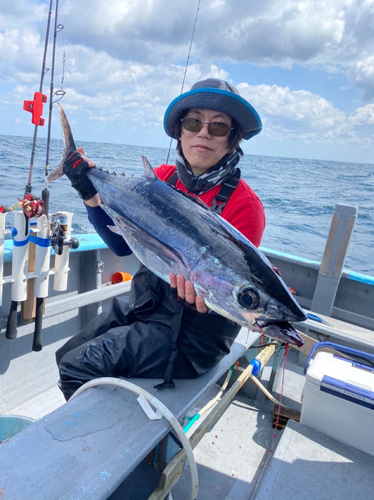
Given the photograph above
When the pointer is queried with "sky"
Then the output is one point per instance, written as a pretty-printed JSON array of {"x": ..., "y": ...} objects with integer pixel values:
[{"x": 306, "y": 66}]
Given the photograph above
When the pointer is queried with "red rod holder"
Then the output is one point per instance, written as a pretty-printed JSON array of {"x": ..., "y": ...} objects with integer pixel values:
[{"x": 36, "y": 108}]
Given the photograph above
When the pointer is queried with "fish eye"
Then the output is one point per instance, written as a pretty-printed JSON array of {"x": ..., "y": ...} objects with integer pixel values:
[{"x": 249, "y": 298}]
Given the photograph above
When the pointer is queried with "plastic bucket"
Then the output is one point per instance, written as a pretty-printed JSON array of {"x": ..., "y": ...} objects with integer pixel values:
[{"x": 10, "y": 425}]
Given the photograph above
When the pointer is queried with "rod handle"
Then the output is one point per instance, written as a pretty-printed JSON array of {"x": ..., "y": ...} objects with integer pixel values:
[
  {"x": 37, "y": 341},
  {"x": 11, "y": 326},
  {"x": 45, "y": 198}
]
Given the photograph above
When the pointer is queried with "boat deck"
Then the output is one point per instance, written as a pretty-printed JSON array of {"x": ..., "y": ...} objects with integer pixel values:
[
  {"x": 308, "y": 464},
  {"x": 244, "y": 458},
  {"x": 231, "y": 457}
]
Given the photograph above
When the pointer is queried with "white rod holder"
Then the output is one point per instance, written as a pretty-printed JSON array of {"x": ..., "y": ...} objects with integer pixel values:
[
  {"x": 42, "y": 258},
  {"x": 20, "y": 257},
  {"x": 60, "y": 279}
]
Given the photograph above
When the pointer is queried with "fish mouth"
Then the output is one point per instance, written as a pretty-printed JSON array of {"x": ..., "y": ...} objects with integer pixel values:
[{"x": 282, "y": 331}]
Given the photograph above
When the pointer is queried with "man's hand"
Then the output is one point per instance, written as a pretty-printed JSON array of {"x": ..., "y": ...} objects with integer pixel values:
[
  {"x": 75, "y": 167},
  {"x": 186, "y": 292}
]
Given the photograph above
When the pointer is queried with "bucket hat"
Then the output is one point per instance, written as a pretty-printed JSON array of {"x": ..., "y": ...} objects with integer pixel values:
[{"x": 216, "y": 94}]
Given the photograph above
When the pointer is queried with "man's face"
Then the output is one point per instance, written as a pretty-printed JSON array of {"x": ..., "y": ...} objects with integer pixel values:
[{"x": 201, "y": 149}]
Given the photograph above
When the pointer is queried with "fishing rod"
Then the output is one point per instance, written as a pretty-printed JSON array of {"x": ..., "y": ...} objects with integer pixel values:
[
  {"x": 35, "y": 107},
  {"x": 186, "y": 66},
  {"x": 40, "y": 298}
]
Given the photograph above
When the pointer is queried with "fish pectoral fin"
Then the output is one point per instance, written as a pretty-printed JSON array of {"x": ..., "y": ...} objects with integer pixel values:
[
  {"x": 167, "y": 255},
  {"x": 142, "y": 241}
]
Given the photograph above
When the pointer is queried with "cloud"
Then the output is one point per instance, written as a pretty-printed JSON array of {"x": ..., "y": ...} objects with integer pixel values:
[
  {"x": 335, "y": 35},
  {"x": 305, "y": 116},
  {"x": 276, "y": 33},
  {"x": 125, "y": 59},
  {"x": 147, "y": 31},
  {"x": 362, "y": 74},
  {"x": 363, "y": 116}
]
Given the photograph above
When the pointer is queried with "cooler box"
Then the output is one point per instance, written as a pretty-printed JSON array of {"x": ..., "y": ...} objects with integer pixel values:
[{"x": 338, "y": 397}]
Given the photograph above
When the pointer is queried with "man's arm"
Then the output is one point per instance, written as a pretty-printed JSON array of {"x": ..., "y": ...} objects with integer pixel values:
[{"x": 102, "y": 224}]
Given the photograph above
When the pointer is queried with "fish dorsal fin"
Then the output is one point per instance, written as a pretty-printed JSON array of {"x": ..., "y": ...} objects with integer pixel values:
[{"x": 148, "y": 170}]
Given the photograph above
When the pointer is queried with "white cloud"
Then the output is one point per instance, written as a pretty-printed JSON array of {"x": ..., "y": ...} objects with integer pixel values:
[
  {"x": 363, "y": 116},
  {"x": 276, "y": 32},
  {"x": 337, "y": 35},
  {"x": 125, "y": 59},
  {"x": 305, "y": 116},
  {"x": 362, "y": 74}
]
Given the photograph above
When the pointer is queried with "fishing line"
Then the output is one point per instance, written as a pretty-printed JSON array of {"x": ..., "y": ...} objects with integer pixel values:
[
  {"x": 186, "y": 67},
  {"x": 63, "y": 73},
  {"x": 59, "y": 94},
  {"x": 57, "y": 29},
  {"x": 274, "y": 436},
  {"x": 189, "y": 52}
]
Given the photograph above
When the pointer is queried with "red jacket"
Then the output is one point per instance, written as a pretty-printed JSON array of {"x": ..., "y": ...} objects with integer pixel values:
[{"x": 243, "y": 210}]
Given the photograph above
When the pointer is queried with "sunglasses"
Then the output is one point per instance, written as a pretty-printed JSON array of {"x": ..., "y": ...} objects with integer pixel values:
[{"x": 214, "y": 128}]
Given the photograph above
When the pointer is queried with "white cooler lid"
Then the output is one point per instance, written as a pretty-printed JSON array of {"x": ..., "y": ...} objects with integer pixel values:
[{"x": 346, "y": 372}]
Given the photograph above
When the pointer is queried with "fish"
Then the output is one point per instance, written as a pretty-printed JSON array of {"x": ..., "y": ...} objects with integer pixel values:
[{"x": 171, "y": 232}]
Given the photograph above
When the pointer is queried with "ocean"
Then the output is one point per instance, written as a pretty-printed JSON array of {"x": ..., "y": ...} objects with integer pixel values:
[{"x": 299, "y": 195}]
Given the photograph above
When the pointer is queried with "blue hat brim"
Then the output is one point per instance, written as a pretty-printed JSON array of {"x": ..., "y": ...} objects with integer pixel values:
[{"x": 220, "y": 100}]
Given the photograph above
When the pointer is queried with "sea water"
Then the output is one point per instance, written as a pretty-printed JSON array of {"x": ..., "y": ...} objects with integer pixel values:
[{"x": 299, "y": 195}]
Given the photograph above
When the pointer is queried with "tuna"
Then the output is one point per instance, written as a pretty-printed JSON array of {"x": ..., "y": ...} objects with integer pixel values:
[{"x": 171, "y": 232}]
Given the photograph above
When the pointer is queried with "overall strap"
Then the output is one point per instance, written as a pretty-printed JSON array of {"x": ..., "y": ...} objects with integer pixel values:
[
  {"x": 223, "y": 196},
  {"x": 172, "y": 181},
  {"x": 176, "y": 324},
  {"x": 227, "y": 188}
]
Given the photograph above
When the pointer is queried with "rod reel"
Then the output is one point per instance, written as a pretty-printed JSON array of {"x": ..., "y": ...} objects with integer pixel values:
[
  {"x": 59, "y": 229},
  {"x": 31, "y": 205}
]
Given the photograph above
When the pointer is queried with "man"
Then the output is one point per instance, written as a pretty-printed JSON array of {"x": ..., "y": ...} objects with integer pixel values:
[{"x": 166, "y": 331}]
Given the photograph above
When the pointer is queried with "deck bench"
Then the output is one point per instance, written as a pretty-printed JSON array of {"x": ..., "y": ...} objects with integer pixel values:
[
  {"x": 341, "y": 332},
  {"x": 88, "y": 446}
]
